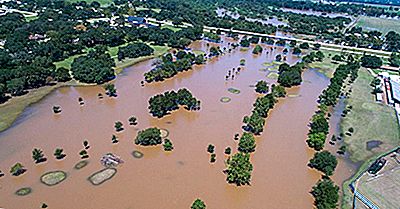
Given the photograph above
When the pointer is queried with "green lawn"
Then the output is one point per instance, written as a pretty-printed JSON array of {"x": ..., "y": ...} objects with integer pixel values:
[
  {"x": 371, "y": 121},
  {"x": 380, "y": 24}
]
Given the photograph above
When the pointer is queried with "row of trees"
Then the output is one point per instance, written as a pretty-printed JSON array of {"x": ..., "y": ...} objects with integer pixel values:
[
  {"x": 168, "y": 68},
  {"x": 325, "y": 192},
  {"x": 161, "y": 104}
]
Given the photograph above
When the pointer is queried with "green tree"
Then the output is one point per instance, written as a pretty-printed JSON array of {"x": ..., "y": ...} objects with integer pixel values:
[
  {"x": 278, "y": 90},
  {"x": 326, "y": 194},
  {"x": 296, "y": 50},
  {"x": 369, "y": 61},
  {"x": 17, "y": 169},
  {"x": 304, "y": 45},
  {"x": 247, "y": 143},
  {"x": 324, "y": 161},
  {"x": 198, "y": 204},
  {"x": 262, "y": 87},
  {"x": 62, "y": 74},
  {"x": 149, "y": 137},
  {"x": 118, "y": 126},
  {"x": 239, "y": 169},
  {"x": 316, "y": 140},
  {"x": 394, "y": 59},
  {"x": 38, "y": 156},
  {"x": 213, "y": 158},
  {"x": 16, "y": 86},
  {"x": 168, "y": 145}
]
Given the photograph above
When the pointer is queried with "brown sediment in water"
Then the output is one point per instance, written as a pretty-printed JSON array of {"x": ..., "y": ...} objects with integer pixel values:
[{"x": 281, "y": 178}]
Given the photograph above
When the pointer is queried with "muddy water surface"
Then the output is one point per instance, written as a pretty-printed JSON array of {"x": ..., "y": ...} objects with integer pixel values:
[{"x": 173, "y": 180}]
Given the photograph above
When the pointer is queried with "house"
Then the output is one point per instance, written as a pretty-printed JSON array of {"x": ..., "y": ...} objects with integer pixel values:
[{"x": 136, "y": 20}]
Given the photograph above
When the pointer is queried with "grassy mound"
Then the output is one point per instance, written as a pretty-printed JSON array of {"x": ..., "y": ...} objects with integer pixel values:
[
  {"x": 102, "y": 176},
  {"x": 234, "y": 91},
  {"x": 81, "y": 164},
  {"x": 225, "y": 99},
  {"x": 23, "y": 191},
  {"x": 53, "y": 177},
  {"x": 137, "y": 154},
  {"x": 273, "y": 75},
  {"x": 164, "y": 132}
]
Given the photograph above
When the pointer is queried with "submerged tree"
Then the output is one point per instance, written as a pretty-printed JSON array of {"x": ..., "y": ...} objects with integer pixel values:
[
  {"x": 17, "y": 169},
  {"x": 86, "y": 144},
  {"x": 114, "y": 139},
  {"x": 168, "y": 145},
  {"x": 198, "y": 204},
  {"x": 111, "y": 91},
  {"x": 149, "y": 137},
  {"x": 59, "y": 153},
  {"x": 38, "y": 156},
  {"x": 210, "y": 148},
  {"x": 213, "y": 158},
  {"x": 228, "y": 151},
  {"x": 132, "y": 121},
  {"x": 83, "y": 154},
  {"x": 239, "y": 169},
  {"x": 118, "y": 126}
]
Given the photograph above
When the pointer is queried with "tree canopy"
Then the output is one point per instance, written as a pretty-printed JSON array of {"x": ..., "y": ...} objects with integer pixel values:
[{"x": 239, "y": 169}]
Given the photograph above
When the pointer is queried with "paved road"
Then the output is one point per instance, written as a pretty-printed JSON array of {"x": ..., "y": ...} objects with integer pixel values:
[{"x": 349, "y": 49}]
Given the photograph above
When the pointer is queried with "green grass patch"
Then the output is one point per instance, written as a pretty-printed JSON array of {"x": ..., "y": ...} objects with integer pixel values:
[
  {"x": 30, "y": 18},
  {"x": 23, "y": 191},
  {"x": 381, "y": 24},
  {"x": 234, "y": 91},
  {"x": 225, "y": 99},
  {"x": 173, "y": 28},
  {"x": 273, "y": 75},
  {"x": 198, "y": 52},
  {"x": 53, "y": 178},
  {"x": 81, "y": 164}
]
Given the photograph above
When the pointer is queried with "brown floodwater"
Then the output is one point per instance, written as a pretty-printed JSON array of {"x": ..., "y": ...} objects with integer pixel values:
[{"x": 281, "y": 178}]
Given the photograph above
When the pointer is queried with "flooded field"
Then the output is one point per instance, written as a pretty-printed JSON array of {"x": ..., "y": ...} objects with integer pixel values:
[
  {"x": 310, "y": 12},
  {"x": 281, "y": 178},
  {"x": 273, "y": 21}
]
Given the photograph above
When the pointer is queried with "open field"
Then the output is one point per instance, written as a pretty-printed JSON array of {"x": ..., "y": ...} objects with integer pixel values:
[
  {"x": 381, "y": 24},
  {"x": 383, "y": 189},
  {"x": 371, "y": 121},
  {"x": 10, "y": 110}
]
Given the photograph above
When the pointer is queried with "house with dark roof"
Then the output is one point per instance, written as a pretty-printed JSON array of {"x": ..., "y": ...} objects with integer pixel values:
[{"x": 136, "y": 20}]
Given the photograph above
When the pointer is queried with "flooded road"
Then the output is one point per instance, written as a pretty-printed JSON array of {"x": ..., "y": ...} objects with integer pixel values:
[{"x": 281, "y": 178}]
